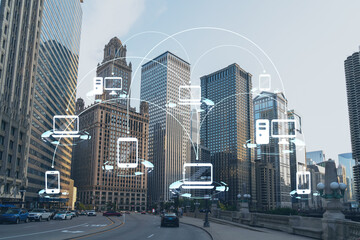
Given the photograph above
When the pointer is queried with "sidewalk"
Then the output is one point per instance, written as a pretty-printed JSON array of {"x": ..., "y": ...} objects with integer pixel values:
[{"x": 229, "y": 230}]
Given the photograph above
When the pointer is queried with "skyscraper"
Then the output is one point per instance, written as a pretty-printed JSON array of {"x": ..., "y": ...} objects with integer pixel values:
[
  {"x": 114, "y": 65},
  {"x": 227, "y": 126},
  {"x": 169, "y": 125},
  {"x": 19, "y": 41},
  {"x": 99, "y": 180},
  {"x": 346, "y": 160},
  {"x": 273, "y": 106},
  {"x": 316, "y": 156},
  {"x": 54, "y": 92},
  {"x": 352, "y": 75}
]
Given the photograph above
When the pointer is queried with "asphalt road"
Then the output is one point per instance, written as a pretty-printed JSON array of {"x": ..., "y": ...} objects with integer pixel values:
[{"x": 127, "y": 227}]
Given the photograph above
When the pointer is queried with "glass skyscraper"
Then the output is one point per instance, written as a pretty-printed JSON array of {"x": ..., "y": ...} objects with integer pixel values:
[
  {"x": 274, "y": 106},
  {"x": 169, "y": 124},
  {"x": 55, "y": 91},
  {"x": 227, "y": 126},
  {"x": 346, "y": 160}
]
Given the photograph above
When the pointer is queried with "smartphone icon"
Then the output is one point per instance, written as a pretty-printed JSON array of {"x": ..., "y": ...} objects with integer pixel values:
[
  {"x": 98, "y": 86},
  {"x": 127, "y": 153},
  {"x": 52, "y": 182},
  {"x": 262, "y": 131},
  {"x": 303, "y": 182}
]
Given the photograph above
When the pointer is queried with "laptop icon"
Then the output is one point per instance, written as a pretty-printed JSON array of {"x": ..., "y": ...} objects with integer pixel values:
[{"x": 66, "y": 126}]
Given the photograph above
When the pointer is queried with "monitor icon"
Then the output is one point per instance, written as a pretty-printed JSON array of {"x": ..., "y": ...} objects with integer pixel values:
[
  {"x": 198, "y": 176},
  {"x": 283, "y": 129},
  {"x": 66, "y": 126},
  {"x": 189, "y": 95},
  {"x": 113, "y": 84}
]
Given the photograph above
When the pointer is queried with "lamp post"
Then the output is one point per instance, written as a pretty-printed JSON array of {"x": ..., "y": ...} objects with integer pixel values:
[
  {"x": 206, "y": 220},
  {"x": 332, "y": 192},
  {"x": 196, "y": 208},
  {"x": 244, "y": 202}
]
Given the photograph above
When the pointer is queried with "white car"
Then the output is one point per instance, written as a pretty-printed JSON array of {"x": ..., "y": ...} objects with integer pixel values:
[
  {"x": 91, "y": 213},
  {"x": 63, "y": 215},
  {"x": 39, "y": 214}
]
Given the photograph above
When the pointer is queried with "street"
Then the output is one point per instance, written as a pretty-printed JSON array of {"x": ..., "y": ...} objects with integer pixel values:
[{"x": 133, "y": 226}]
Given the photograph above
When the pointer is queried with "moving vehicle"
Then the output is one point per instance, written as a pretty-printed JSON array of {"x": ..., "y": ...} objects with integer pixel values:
[
  {"x": 169, "y": 219},
  {"x": 75, "y": 213},
  {"x": 39, "y": 214},
  {"x": 143, "y": 212},
  {"x": 63, "y": 215},
  {"x": 82, "y": 213},
  {"x": 91, "y": 213},
  {"x": 112, "y": 213},
  {"x": 127, "y": 212},
  {"x": 15, "y": 215}
]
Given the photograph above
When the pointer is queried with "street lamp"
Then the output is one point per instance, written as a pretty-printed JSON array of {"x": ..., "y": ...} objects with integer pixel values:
[
  {"x": 206, "y": 221},
  {"x": 196, "y": 207},
  {"x": 338, "y": 190}
]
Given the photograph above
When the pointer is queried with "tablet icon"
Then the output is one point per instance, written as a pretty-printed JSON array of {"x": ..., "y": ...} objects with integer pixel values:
[
  {"x": 262, "y": 131},
  {"x": 189, "y": 95},
  {"x": 127, "y": 153},
  {"x": 66, "y": 126},
  {"x": 264, "y": 82}
]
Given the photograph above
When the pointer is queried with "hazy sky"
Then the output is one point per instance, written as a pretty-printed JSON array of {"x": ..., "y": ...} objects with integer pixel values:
[{"x": 306, "y": 40}]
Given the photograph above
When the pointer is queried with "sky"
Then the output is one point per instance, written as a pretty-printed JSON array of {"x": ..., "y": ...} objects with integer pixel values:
[{"x": 302, "y": 44}]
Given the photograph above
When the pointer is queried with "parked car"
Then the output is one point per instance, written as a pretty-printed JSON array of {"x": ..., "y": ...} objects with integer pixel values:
[
  {"x": 112, "y": 213},
  {"x": 91, "y": 213},
  {"x": 15, "y": 215},
  {"x": 127, "y": 212},
  {"x": 53, "y": 213},
  {"x": 39, "y": 214},
  {"x": 169, "y": 219},
  {"x": 82, "y": 213},
  {"x": 63, "y": 215},
  {"x": 143, "y": 212}
]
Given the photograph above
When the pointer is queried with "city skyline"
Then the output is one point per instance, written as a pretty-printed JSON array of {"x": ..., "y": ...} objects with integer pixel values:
[{"x": 315, "y": 127}]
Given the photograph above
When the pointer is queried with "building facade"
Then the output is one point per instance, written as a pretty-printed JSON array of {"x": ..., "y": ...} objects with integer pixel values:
[
  {"x": 352, "y": 75},
  {"x": 169, "y": 126},
  {"x": 54, "y": 92},
  {"x": 273, "y": 106},
  {"x": 316, "y": 156},
  {"x": 114, "y": 65},
  {"x": 20, "y": 23},
  {"x": 227, "y": 126},
  {"x": 98, "y": 179},
  {"x": 346, "y": 160}
]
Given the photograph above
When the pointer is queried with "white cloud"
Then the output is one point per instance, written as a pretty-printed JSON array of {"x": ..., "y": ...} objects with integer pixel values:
[{"x": 102, "y": 20}]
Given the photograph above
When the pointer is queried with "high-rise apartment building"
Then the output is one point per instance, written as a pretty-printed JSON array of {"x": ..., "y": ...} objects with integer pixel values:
[
  {"x": 352, "y": 75},
  {"x": 114, "y": 65},
  {"x": 273, "y": 106},
  {"x": 98, "y": 178},
  {"x": 54, "y": 92},
  {"x": 227, "y": 127},
  {"x": 169, "y": 124},
  {"x": 20, "y": 23}
]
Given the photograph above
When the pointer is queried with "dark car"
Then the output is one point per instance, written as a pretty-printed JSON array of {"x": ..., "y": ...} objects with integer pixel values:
[
  {"x": 112, "y": 213},
  {"x": 143, "y": 212},
  {"x": 15, "y": 215},
  {"x": 169, "y": 219}
]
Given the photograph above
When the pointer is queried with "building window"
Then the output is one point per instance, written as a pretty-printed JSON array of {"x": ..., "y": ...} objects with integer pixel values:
[
  {"x": 9, "y": 158},
  {"x": 12, "y": 131},
  {"x": 1, "y": 140},
  {"x": 3, "y": 125},
  {"x": 8, "y": 172}
]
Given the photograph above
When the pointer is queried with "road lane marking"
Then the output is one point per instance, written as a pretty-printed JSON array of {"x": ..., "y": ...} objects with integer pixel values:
[
  {"x": 31, "y": 234},
  {"x": 67, "y": 231},
  {"x": 150, "y": 236}
]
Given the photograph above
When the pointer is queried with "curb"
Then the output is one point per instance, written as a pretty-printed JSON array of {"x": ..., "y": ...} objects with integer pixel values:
[
  {"x": 239, "y": 225},
  {"x": 200, "y": 228}
]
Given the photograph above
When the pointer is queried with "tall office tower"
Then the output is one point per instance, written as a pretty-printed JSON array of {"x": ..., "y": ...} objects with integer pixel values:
[
  {"x": 19, "y": 38},
  {"x": 352, "y": 74},
  {"x": 114, "y": 65},
  {"x": 296, "y": 149},
  {"x": 98, "y": 178},
  {"x": 273, "y": 106},
  {"x": 265, "y": 186},
  {"x": 54, "y": 93},
  {"x": 348, "y": 162},
  {"x": 316, "y": 156},
  {"x": 169, "y": 126},
  {"x": 228, "y": 126}
]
